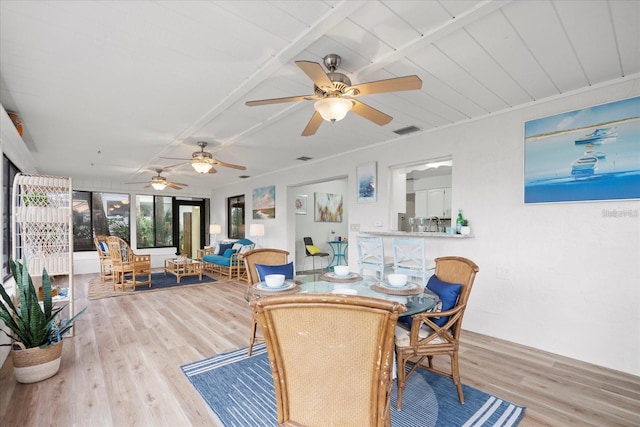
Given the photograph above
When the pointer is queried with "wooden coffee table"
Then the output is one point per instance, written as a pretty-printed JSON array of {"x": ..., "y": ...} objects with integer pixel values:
[{"x": 183, "y": 267}]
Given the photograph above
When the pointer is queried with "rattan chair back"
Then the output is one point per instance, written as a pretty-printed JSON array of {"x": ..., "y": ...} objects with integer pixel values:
[
  {"x": 263, "y": 256},
  {"x": 331, "y": 357}
]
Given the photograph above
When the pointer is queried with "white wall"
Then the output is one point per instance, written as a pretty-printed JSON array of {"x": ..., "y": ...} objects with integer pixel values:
[
  {"x": 559, "y": 277},
  {"x": 305, "y": 225}
]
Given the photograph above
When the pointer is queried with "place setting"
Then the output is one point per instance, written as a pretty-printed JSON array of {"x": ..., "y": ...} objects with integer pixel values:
[
  {"x": 274, "y": 283},
  {"x": 397, "y": 284},
  {"x": 341, "y": 274}
]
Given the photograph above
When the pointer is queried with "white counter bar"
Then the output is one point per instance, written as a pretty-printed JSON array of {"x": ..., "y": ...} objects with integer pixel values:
[{"x": 418, "y": 234}]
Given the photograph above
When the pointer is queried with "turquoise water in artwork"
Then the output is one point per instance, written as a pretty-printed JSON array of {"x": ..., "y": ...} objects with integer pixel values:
[{"x": 557, "y": 169}]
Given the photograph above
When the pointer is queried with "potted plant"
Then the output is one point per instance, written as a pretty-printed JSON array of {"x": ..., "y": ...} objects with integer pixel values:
[
  {"x": 37, "y": 333},
  {"x": 465, "y": 229}
]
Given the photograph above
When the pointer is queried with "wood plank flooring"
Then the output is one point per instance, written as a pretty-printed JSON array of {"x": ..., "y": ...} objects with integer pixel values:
[{"x": 122, "y": 367}]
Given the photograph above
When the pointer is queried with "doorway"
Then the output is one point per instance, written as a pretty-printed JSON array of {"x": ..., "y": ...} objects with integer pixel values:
[{"x": 188, "y": 226}]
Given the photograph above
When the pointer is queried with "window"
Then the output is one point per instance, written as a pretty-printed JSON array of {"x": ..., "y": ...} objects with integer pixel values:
[
  {"x": 235, "y": 213},
  {"x": 9, "y": 171},
  {"x": 96, "y": 213},
  {"x": 154, "y": 221}
]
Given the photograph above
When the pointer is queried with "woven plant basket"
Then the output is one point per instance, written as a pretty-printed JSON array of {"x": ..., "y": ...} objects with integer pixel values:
[{"x": 36, "y": 364}]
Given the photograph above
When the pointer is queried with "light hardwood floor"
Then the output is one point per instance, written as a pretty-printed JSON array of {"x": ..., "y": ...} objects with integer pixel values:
[{"x": 122, "y": 368}]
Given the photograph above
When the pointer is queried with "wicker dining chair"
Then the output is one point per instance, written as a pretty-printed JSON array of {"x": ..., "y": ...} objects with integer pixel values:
[
  {"x": 436, "y": 333},
  {"x": 264, "y": 256},
  {"x": 125, "y": 262},
  {"x": 331, "y": 357}
]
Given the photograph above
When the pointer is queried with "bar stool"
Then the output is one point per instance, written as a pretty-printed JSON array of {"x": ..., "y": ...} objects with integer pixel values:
[
  {"x": 371, "y": 255},
  {"x": 409, "y": 257}
]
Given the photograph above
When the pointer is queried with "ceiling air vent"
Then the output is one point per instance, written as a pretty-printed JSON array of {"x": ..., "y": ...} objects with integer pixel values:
[
  {"x": 406, "y": 130},
  {"x": 304, "y": 158}
]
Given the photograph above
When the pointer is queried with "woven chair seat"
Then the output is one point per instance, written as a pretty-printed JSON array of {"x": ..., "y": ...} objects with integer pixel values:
[{"x": 403, "y": 332}]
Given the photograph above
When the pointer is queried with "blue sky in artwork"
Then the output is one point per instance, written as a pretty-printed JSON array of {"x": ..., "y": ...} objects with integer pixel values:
[
  {"x": 626, "y": 108},
  {"x": 264, "y": 197}
]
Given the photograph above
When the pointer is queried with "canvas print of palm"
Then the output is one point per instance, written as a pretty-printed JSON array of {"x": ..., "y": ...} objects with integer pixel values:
[
  {"x": 584, "y": 155},
  {"x": 328, "y": 207}
]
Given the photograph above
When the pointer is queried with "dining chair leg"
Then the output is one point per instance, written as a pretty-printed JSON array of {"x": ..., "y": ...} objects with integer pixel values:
[
  {"x": 455, "y": 373},
  {"x": 401, "y": 381},
  {"x": 252, "y": 338}
]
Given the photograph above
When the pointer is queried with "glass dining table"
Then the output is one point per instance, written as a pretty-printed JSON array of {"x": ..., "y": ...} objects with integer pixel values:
[{"x": 415, "y": 298}]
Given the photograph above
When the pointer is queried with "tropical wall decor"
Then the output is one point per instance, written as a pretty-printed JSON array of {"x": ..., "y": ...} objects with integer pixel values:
[
  {"x": 264, "y": 202},
  {"x": 329, "y": 207},
  {"x": 584, "y": 155}
]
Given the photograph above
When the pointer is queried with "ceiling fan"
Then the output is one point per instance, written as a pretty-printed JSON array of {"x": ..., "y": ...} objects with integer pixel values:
[
  {"x": 159, "y": 182},
  {"x": 336, "y": 96},
  {"x": 203, "y": 161}
]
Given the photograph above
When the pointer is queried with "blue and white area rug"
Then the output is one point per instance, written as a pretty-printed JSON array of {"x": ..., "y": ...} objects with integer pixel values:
[{"x": 239, "y": 389}]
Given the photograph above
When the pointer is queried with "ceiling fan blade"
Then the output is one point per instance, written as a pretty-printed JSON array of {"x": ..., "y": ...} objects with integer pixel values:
[
  {"x": 370, "y": 113},
  {"x": 317, "y": 74},
  {"x": 179, "y": 183},
  {"x": 389, "y": 85},
  {"x": 279, "y": 100},
  {"x": 228, "y": 165},
  {"x": 148, "y": 185},
  {"x": 174, "y": 158},
  {"x": 313, "y": 125},
  {"x": 140, "y": 182},
  {"x": 173, "y": 185},
  {"x": 212, "y": 170},
  {"x": 166, "y": 168}
]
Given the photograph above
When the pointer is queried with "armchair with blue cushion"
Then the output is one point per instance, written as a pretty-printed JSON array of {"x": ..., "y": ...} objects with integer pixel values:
[
  {"x": 227, "y": 260},
  {"x": 437, "y": 333}
]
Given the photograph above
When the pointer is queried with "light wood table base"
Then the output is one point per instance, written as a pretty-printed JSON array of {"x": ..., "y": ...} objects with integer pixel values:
[{"x": 182, "y": 268}]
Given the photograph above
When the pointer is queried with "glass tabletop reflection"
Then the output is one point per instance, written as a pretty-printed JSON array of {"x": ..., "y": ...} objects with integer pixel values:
[{"x": 312, "y": 283}]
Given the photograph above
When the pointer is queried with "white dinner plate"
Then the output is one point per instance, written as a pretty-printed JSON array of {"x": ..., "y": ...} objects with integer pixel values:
[
  {"x": 406, "y": 287},
  {"x": 337, "y": 276},
  {"x": 285, "y": 287}
]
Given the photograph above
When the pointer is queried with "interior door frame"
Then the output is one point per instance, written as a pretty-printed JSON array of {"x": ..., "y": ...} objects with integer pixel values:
[{"x": 177, "y": 203}]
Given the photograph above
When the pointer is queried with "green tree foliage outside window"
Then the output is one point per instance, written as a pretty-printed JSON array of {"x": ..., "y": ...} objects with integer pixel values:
[{"x": 154, "y": 221}]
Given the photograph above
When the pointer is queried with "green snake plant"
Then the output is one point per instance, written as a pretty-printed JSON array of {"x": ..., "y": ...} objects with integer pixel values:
[{"x": 33, "y": 324}]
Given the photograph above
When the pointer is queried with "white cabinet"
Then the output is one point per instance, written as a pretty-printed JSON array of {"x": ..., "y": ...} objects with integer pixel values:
[
  {"x": 42, "y": 228},
  {"x": 421, "y": 203},
  {"x": 439, "y": 202},
  {"x": 433, "y": 202}
]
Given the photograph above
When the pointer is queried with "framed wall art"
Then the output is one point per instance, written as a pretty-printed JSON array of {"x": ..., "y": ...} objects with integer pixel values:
[
  {"x": 264, "y": 202},
  {"x": 328, "y": 208},
  {"x": 366, "y": 179},
  {"x": 584, "y": 155},
  {"x": 301, "y": 204}
]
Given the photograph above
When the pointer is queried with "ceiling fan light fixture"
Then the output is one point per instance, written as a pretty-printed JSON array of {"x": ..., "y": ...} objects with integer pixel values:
[
  {"x": 201, "y": 167},
  {"x": 333, "y": 109},
  {"x": 158, "y": 185}
]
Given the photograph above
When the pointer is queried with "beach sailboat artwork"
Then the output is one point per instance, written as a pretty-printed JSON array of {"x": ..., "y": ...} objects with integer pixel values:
[
  {"x": 584, "y": 155},
  {"x": 599, "y": 136}
]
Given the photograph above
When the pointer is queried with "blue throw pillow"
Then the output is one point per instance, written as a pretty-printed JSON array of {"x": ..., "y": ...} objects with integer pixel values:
[
  {"x": 223, "y": 247},
  {"x": 286, "y": 269},
  {"x": 448, "y": 293},
  {"x": 228, "y": 253}
]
